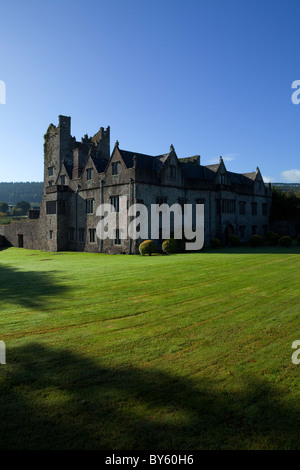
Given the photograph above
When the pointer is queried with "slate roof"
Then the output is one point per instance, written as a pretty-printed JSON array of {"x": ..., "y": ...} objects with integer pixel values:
[
  {"x": 100, "y": 164},
  {"x": 193, "y": 171},
  {"x": 252, "y": 175},
  {"x": 190, "y": 169},
  {"x": 237, "y": 178},
  {"x": 146, "y": 162}
]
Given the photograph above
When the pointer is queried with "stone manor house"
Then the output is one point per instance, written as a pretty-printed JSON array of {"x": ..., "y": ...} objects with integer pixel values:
[{"x": 78, "y": 176}]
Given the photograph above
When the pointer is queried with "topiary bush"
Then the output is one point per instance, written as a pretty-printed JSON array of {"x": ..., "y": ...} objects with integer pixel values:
[
  {"x": 256, "y": 240},
  {"x": 234, "y": 240},
  {"x": 170, "y": 246},
  {"x": 215, "y": 243},
  {"x": 147, "y": 247},
  {"x": 286, "y": 241},
  {"x": 272, "y": 238}
]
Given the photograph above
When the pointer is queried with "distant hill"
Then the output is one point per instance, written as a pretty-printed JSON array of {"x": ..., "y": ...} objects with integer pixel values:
[
  {"x": 288, "y": 187},
  {"x": 32, "y": 191},
  {"x": 15, "y": 192}
]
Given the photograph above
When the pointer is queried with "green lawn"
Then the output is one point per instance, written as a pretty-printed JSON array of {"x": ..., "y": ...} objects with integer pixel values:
[{"x": 189, "y": 351}]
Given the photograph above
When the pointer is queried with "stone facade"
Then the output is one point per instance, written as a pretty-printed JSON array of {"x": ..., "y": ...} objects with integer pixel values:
[{"x": 79, "y": 176}]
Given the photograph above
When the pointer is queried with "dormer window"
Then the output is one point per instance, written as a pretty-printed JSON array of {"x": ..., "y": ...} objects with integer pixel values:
[
  {"x": 115, "y": 168},
  {"x": 63, "y": 180},
  {"x": 89, "y": 173},
  {"x": 223, "y": 179}
]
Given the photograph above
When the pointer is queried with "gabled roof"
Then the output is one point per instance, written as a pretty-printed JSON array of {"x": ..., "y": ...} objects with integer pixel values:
[
  {"x": 100, "y": 164},
  {"x": 251, "y": 176},
  {"x": 193, "y": 171},
  {"x": 189, "y": 165},
  {"x": 213, "y": 167},
  {"x": 68, "y": 168},
  {"x": 237, "y": 178},
  {"x": 146, "y": 162}
]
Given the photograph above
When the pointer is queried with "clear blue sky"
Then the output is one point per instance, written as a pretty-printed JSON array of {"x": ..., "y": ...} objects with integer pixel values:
[{"x": 211, "y": 77}]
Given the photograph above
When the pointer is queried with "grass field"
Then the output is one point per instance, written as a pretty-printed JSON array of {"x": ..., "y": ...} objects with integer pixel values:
[{"x": 189, "y": 351}]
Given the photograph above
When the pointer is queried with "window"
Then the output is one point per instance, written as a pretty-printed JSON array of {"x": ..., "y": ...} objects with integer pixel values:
[
  {"x": 50, "y": 171},
  {"x": 89, "y": 173},
  {"x": 222, "y": 179},
  {"x": 200, "y": 201},
  {"x": 254, "y": 208},
  {"x": 92, "y": 235},
  {"x": 50, "y": 234},
  {"x": 254, "y": 229},
  {"x": 115, "y": 168},
  {"x": 114, "y": 201},
  {"x": 81, "y": 235},
  {"x": 161, "y": 200},
  {"x": 172, "y": 171},
  {"x": 50, "y": 183},
  {"x": 228, "y": 206},
  {"x": 89, "y": 206},
  {"x": 117, "y": 240},
  {"x": 51, "y": 207},
  {"x": 242, "y": 207},
  {"x": 63, "y": 180},
  {"x": 258, "y": 184},
  {"x": 264, "y": 209}
]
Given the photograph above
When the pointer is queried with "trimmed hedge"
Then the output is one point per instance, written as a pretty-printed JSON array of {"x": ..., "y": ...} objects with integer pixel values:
[
  {"x": 256, "y": 240},
  {"x": 147, "y": 247},
  {"x": 170, "y": 246},
  {"x": 286, "y": 241},
  {"x": 272, "y": 238},
  {"x": 216, "y": 243}
]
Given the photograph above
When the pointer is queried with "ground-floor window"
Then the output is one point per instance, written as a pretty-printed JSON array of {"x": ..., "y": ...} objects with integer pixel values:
[
  {"x": 50, "y": 234},
  {"x": 117, "y": 240},
  {"x": 92, "y": 235}
]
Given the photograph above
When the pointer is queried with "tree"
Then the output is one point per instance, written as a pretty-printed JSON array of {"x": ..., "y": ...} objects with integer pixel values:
[
  {"x": 24, "y": 206},
  {"x": 3, "y": 207}
]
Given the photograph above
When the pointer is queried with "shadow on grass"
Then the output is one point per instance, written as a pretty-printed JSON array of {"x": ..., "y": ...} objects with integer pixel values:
[
  {"x": 249, "y": 250},
  {"x": 28, "y": 288},
  {"x": 56, "y": 399}
]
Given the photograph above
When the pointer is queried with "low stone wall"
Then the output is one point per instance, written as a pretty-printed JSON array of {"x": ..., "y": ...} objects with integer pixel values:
[{"x": 23, "y": 234}]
